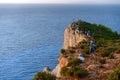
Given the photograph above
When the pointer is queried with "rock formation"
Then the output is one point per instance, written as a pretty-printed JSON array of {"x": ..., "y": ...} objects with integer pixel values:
[
  {"x": 97, "y": 65},
  {"x": 47, "y": 70},
  {"x": 72, "y": 36}
]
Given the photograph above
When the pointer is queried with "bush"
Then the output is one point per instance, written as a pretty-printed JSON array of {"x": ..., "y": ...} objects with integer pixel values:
[
  {"x": 115, "y": 75},
  {"x": 79, "y": 72},
  {"x": 105, "y": 54},
  {"x": 112, "y": 49},
  {"x": 44, "y": 76},
  {"x": 108, "y": 52},
  {"x": 118, "y": 51},
  {"x": 81, "y": 46},
  {"x": 84, "y": 42},
  {"x": 111, "y": 56},
  {"x": 97, "y": 31},
  {"x": 74, "y": 61},
  {"x": 102, "y": 61},
  {"x": 86, "y": 50},
  {"x": 101, "y": 42},
  {"x": 62, "y": 51},
  {"x": 76, "y": 72},
  {"x": 72, "y": 48},
  {"x": 63, "y": 71},
  {"x": 71, "y": 51},
  {"x": 84, "y": 53},
  {"x": 67, "y": 51}
]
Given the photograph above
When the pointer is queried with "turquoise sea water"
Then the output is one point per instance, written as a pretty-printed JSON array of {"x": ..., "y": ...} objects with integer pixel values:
[{"x": 31, "y": 36}]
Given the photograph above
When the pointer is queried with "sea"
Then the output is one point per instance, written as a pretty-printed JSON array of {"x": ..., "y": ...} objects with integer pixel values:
[{"x": 31, "y": 35}]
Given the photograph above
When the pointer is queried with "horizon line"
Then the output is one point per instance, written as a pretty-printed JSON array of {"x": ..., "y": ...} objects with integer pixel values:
[{"x": 69, "y": 3}]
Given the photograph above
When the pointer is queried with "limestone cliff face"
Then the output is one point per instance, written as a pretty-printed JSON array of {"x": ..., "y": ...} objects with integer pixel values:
[
  {"x": 72, "y": 36},
  {"x": 92, "y": 64},
  {"x": 62, "y": 63}
]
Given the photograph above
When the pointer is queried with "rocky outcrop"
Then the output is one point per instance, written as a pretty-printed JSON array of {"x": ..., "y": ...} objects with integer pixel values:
[
  {"x": 56, "y": 71},
  {"x": 94, "y": 68},
  {"x": 62, "y": 63},
  {"x": 72, "y": 36},
  {"x": 47, "y": 70},
  {"x": 97, "y": 66}
]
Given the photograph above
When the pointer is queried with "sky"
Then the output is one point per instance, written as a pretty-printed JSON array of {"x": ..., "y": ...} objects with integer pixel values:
[{"x": 64, "y": 1}]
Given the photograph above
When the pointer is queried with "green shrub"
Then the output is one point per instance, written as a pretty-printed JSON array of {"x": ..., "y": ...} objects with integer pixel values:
[
  {"x": 100, "y": 42},
  {"x": 62, "y": 51},
  {"x": 67, "y": 51},
  {"x": 115, "y": 75},
  {"x": 76, "y": 72},
  {"x": 100, "y": 50},
  {"x": 79, "y": 72},
  {"x": 63, "y": 71},
  {"x": 44, "y": 76},
  {"x": 111, "y": 56},
  {"x": 98, "y": 31},
  {"x": 102, "y": 61},
  {"x": 74, "y": 61},
  {"x": 118, "y": 51},
  {"x": 84, "y": 42},
  {"x": 107, "y": 52},
  {"x": 86, "y": 50},
  {"x": 84, "y": 53},
  {"x": 112, "y": 49},
  {"x": 72, "y": 51},
  {"x": 84, "y": 46},
  {"x": 81, "y": 46}
]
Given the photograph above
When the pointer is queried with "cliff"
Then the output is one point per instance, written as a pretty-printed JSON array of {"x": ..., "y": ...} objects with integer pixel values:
[
  {"x": 77, "y": 36},
  {"x": 72, "y": 36},
  {"x": 102, "y": 65}
]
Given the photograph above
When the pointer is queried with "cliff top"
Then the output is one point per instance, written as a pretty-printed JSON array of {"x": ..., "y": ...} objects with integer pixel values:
[
  {"x": 98, "y": 31},
  {"x": 81, "y": 30}
]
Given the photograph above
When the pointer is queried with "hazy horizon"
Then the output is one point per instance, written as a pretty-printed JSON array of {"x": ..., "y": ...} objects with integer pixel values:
[{"x": 60, "y": 2}]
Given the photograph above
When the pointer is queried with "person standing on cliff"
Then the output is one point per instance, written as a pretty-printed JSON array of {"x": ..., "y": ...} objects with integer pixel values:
[{"x": 92, "y": 47}]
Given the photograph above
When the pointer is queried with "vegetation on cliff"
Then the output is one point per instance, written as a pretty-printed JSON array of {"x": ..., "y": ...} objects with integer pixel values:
[
  {"x": 101, "y": 65},
  {"x": 44, "y": 76},
  {"x": 115, "y": 75},
  {"x": 97, "y": 31},
  {"x": 107, "y": 46},
  {"x": 73, "y": 72}
]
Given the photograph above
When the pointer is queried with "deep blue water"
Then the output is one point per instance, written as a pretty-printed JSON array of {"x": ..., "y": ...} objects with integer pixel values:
[{"x": 31, "y": 36}]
